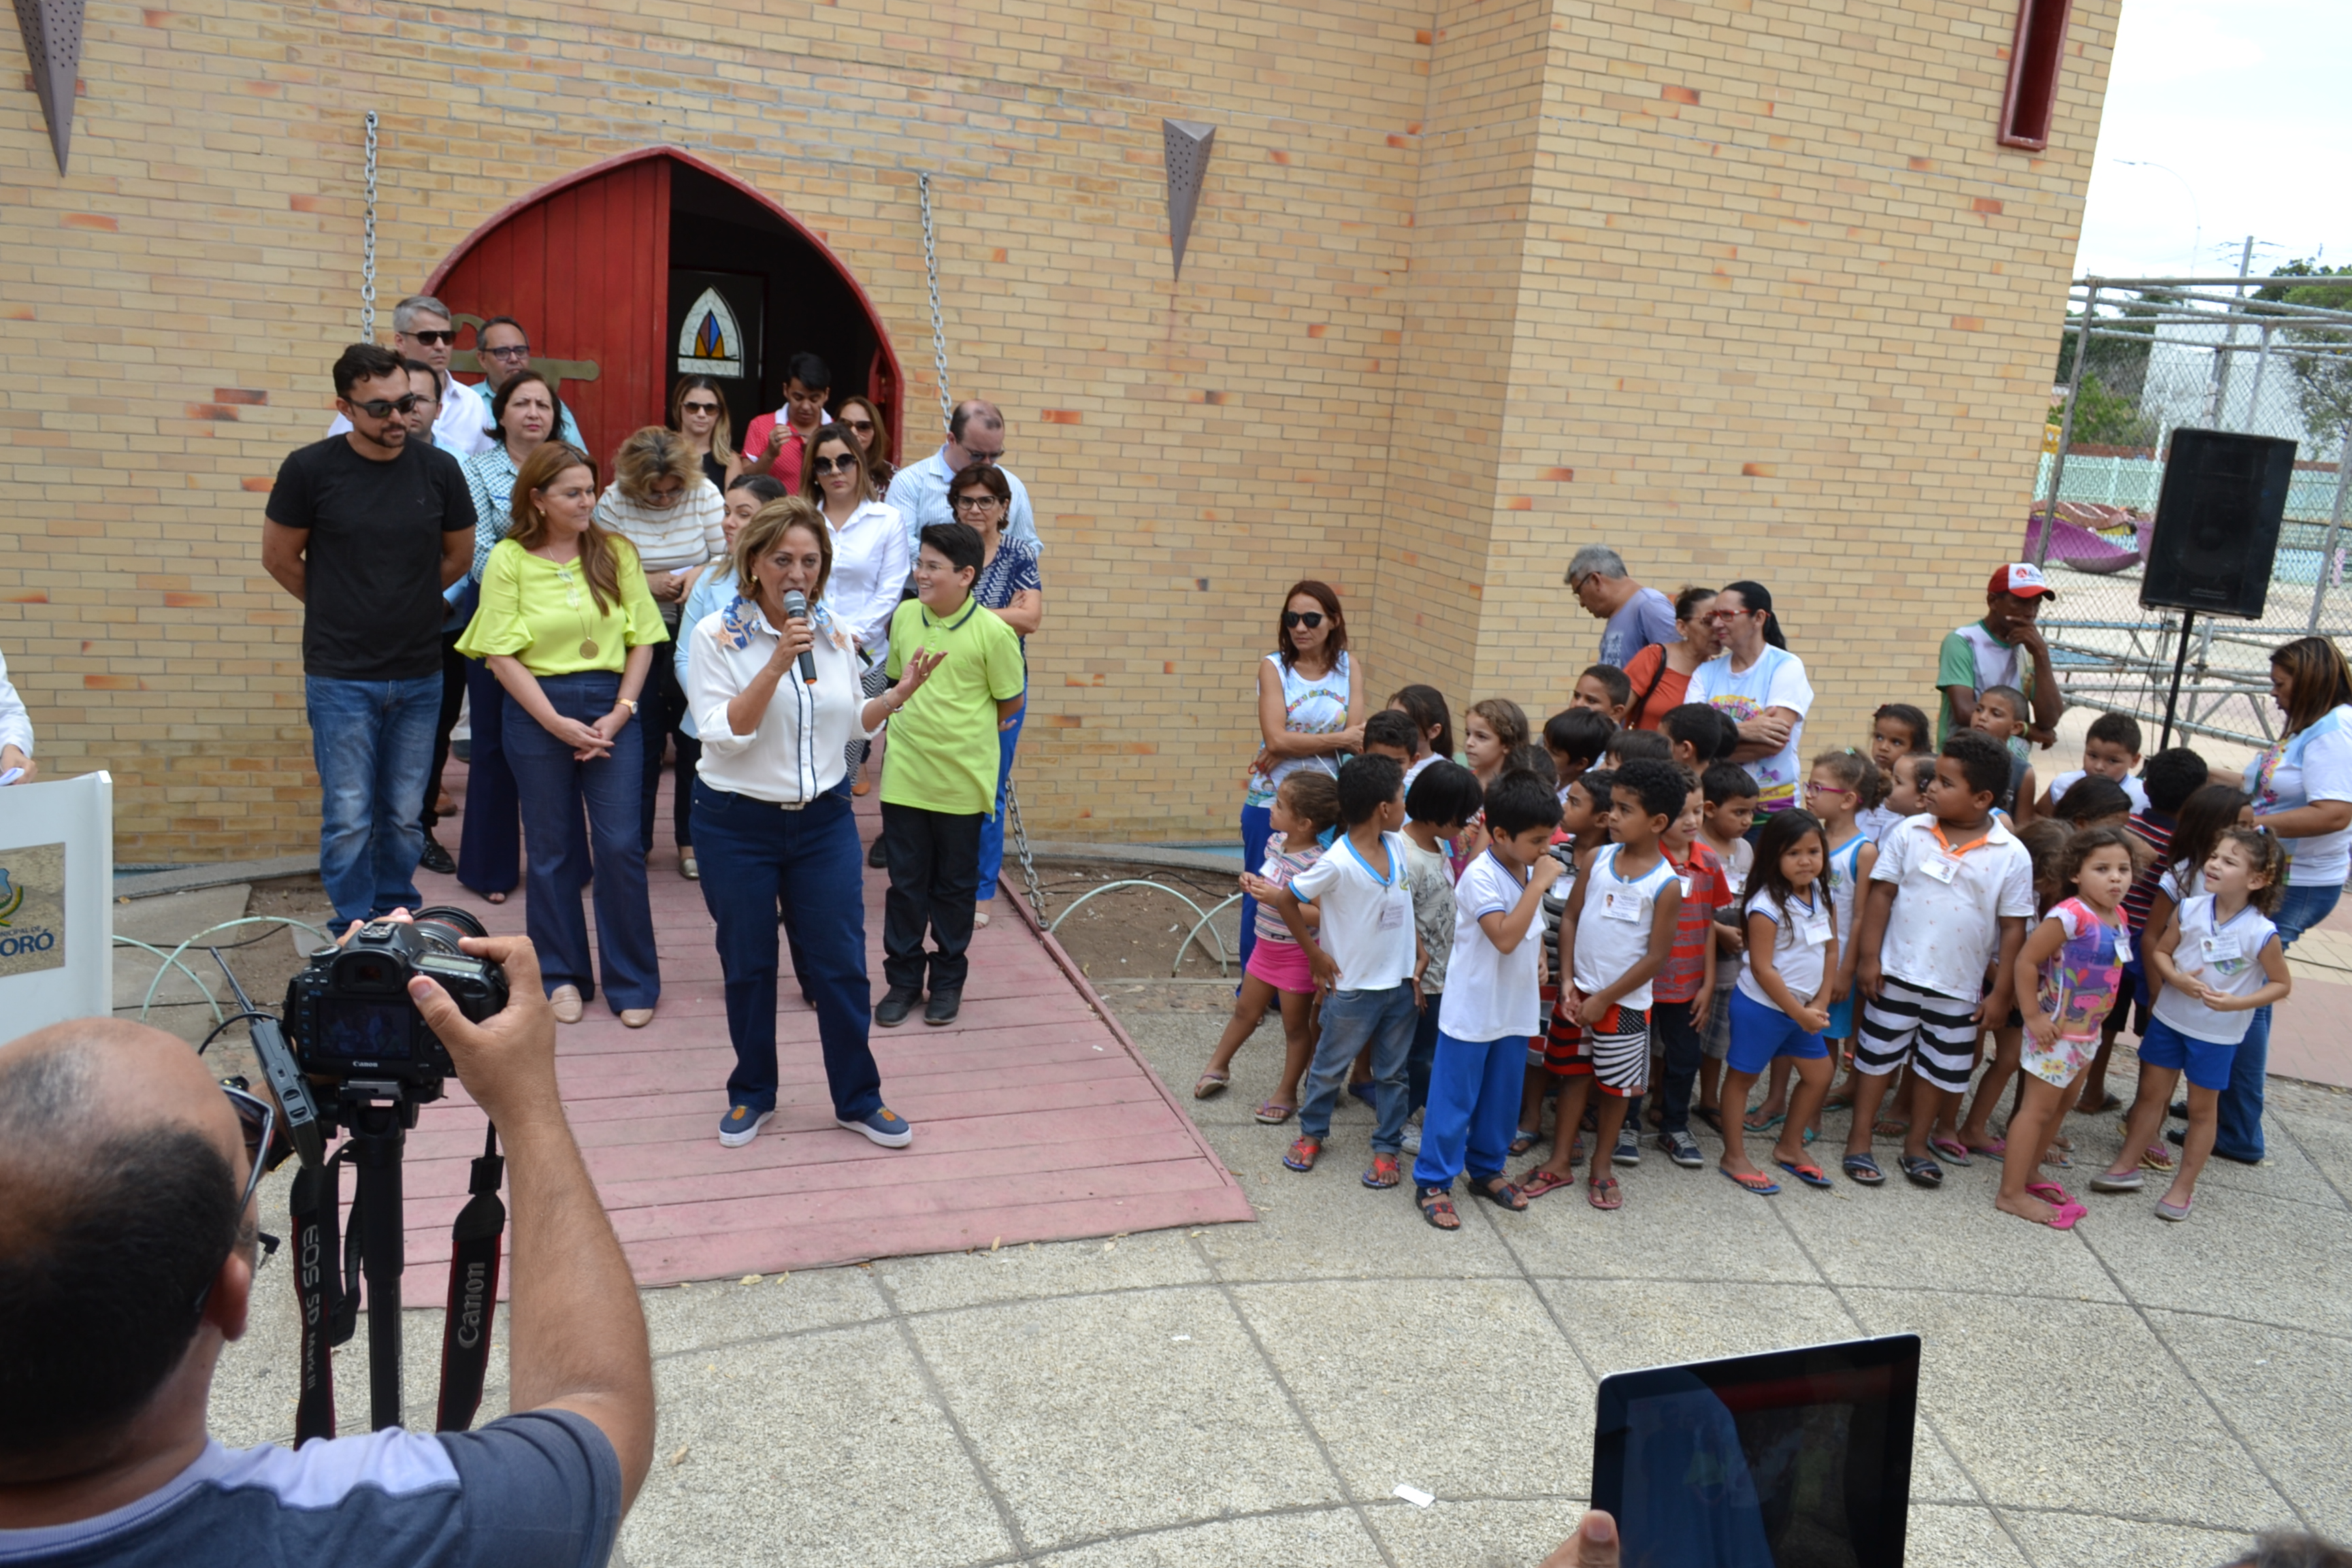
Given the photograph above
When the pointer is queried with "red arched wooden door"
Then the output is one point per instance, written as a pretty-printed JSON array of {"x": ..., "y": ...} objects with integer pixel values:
[{"x": 585, "y": 265}]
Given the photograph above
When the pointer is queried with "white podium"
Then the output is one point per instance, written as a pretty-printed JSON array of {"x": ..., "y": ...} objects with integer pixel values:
[{"x": 57, "y": 902}]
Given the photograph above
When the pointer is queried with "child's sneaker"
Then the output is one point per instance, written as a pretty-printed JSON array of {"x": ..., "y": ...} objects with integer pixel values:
[
  {"x": 1681, "y": 1149},
  {"x": 1411, "y": 1142},
  {"x": 1629, "y": 1149}
]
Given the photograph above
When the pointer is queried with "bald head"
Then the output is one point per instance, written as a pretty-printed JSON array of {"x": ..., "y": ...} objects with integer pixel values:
[{"x": 123, "y": 1162}]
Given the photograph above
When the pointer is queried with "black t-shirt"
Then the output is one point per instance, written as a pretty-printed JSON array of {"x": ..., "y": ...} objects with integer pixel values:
[{"x": 373, "y": 560}]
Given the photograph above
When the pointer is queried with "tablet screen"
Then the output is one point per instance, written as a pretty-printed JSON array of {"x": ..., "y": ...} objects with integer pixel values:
[{"x": 1798, "y": 1458}]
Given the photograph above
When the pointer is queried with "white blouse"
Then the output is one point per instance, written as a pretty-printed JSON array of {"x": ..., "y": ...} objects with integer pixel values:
[
  {"x": 869, "y": 572},
  {"x": 796, "y": 753}
]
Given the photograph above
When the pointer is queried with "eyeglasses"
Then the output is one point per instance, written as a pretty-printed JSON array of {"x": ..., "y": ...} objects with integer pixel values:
[
  {"x": 1310, "y": 619},
  {"x": 258, "y": 1119},
  {"x": 385, "y": 407},
  {"x": 1812, "y": 788},
  {"x": 863, "y": 427},
  {"x": 511, "y": 351},
  {"x": 842, "y": 464},
  {"x": 1729, "y": 615},
  {"x": 975, "y": 502},
  {"x": 435, "y": 340},
  {"x": 700, "y": 407},
  {"x": 985, "y": 459}
]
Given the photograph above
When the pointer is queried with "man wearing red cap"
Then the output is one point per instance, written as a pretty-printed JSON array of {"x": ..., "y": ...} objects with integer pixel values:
[{"x": 2002, "y": 650}]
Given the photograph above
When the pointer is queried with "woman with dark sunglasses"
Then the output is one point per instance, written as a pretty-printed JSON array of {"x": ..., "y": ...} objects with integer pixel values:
[
  {"x": 1307, "y": 693},
  {"x": 698, "y": 411}
]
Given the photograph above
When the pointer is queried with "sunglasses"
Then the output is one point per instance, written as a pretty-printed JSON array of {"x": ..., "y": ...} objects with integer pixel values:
[
  {"x": 385, "y": 407},
  {"x": 512, "y": 351},
  {"x": 435, "y": 340},
  {"x": 863, "y": 427},
  {"x": 1310, "y": 619},
  {"x": 700, "y": 407},
  {"x": 974, "y": 502},
  {"x": 843, "y": 465}
]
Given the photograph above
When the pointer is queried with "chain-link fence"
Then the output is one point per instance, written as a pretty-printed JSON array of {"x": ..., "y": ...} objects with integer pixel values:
[{"x": 2141, "y": 358}]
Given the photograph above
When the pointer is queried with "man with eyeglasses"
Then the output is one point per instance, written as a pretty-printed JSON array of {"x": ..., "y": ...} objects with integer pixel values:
[
  {"x": 421, "y": 329},
  {"x": 367, "y": 530},
  {"x": 127, "y": 1247},
  {"x": 504, "y": 350},
  {"x": 919, "y": 491},
  {"x": 1636, "y": 617}
]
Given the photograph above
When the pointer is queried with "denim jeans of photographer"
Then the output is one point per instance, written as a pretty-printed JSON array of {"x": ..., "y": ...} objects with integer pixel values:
[{"x": 371, "y": 742}]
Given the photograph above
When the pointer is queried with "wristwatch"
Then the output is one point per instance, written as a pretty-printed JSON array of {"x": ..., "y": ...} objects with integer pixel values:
[{"x": 628, "y": 702}]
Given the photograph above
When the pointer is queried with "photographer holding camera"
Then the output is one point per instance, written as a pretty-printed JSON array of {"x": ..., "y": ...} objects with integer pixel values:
[{"x": 128, "y": 1245}]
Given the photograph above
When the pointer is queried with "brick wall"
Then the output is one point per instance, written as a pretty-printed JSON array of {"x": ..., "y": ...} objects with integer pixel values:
[{"x": 1755, "y": 276}]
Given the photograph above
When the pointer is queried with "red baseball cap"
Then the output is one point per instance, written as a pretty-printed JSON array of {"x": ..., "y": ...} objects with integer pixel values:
[{"x": 2022, "y": 579}]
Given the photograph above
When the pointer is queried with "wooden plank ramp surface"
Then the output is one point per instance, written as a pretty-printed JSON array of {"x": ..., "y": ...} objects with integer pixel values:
[{"x": 1035, "y": 1118}]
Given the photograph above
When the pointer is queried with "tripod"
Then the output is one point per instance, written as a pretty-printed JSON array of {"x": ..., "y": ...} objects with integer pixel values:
[{"x": 379, "y": 1134}]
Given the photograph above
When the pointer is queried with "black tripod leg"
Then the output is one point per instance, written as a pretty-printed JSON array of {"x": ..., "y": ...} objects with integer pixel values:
[{"x": 382, "y": 1257}]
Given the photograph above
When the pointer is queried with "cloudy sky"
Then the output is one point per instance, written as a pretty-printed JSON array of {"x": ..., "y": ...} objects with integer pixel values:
[{"x": 2244, "y": 104}]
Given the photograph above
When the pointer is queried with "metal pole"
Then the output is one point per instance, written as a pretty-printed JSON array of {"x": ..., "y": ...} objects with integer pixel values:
[
  {"x": 367, "y": 244},
  {"x": 2335, "y": 525},
  {"x": 2179, "y": 659},
  {"x": 2219, "y": 416},
  {"x": 2254, "y": 397},
  {"x": 2065, "y": 430}
]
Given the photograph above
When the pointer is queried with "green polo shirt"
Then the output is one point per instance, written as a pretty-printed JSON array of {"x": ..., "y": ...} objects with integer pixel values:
[{"x": 943, "y": 752}]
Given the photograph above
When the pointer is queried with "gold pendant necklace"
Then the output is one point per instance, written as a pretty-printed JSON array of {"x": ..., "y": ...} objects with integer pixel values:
[{"x": 572, "y": 589}]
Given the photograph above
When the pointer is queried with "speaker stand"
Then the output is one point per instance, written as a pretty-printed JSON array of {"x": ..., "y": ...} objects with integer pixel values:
[{"x": 2180, "y": 660}]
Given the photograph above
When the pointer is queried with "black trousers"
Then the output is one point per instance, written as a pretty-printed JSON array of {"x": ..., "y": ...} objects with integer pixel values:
[
  {"x": 934, "y": 860},
  {"x": 659, "y": 707},
  {"x": 453, "y": 698}
]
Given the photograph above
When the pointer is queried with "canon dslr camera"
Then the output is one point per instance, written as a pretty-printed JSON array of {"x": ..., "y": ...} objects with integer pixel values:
[{"x": 350, "y": 1014}]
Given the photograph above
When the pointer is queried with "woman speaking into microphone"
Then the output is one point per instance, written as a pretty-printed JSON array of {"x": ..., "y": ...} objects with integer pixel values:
[{"x": 772, "y": 681}]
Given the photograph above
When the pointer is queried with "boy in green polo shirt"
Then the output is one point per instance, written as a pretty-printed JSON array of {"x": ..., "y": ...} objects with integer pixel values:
[{"x": 938, "y": 776}]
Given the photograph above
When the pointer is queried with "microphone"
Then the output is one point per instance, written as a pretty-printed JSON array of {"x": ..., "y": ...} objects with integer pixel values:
[{"x": 796, "y": 609}]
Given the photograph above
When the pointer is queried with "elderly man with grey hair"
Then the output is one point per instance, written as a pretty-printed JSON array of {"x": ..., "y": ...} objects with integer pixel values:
[
  {"x": 1636, "y": 616},
  {"x": 422, "y": 328}
]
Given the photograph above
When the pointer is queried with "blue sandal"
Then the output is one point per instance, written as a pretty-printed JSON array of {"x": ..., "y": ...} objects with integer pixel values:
[
  {"x": 1922, "y": 1172},
  {"x": 1863, "y": 1168}
]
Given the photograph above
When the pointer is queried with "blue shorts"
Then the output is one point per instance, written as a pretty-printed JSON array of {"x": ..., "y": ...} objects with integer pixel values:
[
  {"x": 1760, "y": 1032},
  {"x": 1841, "y": 1020},
  {"x": 2207, "y": 1064}
]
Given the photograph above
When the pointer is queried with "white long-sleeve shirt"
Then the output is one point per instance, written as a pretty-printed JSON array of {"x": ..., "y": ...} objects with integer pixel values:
[
  {"x": 870, "y": 563},
  {"x": 795, "y": 754},
  {"x": 16, "y": 724}
]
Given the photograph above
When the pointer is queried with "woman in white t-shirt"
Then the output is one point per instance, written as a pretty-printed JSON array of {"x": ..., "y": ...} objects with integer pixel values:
[
  {"x": 1762, "y": 686},
  {"x": 2302, "y": 791},
  {"x": 1310, "y": 711}
]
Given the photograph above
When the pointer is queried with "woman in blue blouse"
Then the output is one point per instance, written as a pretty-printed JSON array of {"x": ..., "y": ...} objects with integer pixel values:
[{"x": 1009, "y": 584}]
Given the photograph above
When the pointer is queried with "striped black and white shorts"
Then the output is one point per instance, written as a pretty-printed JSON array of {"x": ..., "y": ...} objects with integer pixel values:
[
  {"x": 1619, "y": 1048},
  {"x": 1937, "y": 1034}
]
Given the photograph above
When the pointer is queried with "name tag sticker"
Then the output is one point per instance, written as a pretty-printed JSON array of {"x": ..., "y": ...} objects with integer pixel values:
[
  {"x": 1618, "y": 905},
  {"x": 1813, "y": 931},
  {"x": 1393, "y": 913},
  {"x": 2123, "y": 947},
  {"x": 1690, "y": 886},
  {"x": 1944, "y": 869},
  {"x": 2214, "y": 949}
]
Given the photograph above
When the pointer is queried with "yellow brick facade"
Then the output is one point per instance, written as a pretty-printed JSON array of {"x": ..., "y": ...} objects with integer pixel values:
[{"x": 1745, "y": 288}]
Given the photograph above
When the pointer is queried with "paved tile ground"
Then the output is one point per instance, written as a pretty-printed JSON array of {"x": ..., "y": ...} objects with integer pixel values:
[{"x": 2129, "y": 1394}]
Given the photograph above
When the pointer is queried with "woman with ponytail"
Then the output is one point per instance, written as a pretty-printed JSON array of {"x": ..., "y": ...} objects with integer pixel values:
[{"x": 1762, "y": 686}]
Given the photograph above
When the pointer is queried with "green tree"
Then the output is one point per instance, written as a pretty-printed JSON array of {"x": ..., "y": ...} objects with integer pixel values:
[
  {"x": 2323, "y": 381},
  {"x": 2104, "y": 418}
]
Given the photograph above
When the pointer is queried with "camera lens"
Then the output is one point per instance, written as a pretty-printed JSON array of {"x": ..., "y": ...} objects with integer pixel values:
[{"x": 442, "y": 924}]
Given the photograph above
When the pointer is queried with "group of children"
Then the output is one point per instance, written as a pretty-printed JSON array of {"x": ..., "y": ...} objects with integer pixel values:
[{"x": 1570, "y": 925}]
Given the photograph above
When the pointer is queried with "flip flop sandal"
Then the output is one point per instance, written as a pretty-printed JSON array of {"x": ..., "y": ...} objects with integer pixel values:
[
  {"x": 1384, "y": 1173},
  {"x": 2174, "y": 1212},
  {"x": 1605, "y": 1194},
  {"x": 1993, "y": 1151},
  {"x": 1211, "y": 1083},
  {"x": 2050, "y": 1192},
  {"x": 2108, "y": 1182},
  {"x": 1436, "y": 1205},
  {"x": 1501, "y": 1194},
  {"x": 1954, "y": 1152},
  {"x": 1810, "y": 1174},
  {"x": 1922, "y": 1172},
  {"x": 1274, "y": 1113},
  {"x": 2111, "y": 1101},
  {"x": 2157, "y": 1158},
  {"x": 1811, "y": 1133},
  {"x": 1756, "y": 1182},
  {"x": 1536, "y": 1183},
  {"x": 2068, "y": 1212},
  {"x": 1303, "y": 1153},
  {"x": 1522, "y": 1140},
  {"x": 2057, "y": 1160},
  {"x": 1863, "y": 1168},
  {"x": 1769, "y": 1122}
]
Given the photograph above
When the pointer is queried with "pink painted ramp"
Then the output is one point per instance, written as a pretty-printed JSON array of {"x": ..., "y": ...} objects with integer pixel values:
[{"x": 1035, "y": 1118}]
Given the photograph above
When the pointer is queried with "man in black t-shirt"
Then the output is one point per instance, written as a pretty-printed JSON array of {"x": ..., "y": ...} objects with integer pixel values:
[{"x": 366, "y": 529}]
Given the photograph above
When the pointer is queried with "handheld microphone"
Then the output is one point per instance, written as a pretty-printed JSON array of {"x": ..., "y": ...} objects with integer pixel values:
[{"x": 796, "y": 609}]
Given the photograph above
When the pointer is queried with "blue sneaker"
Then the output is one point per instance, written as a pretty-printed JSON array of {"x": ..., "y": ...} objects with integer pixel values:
[
  {"x": 884, "y": 1127},
  {"x": 741, "y": 1125}
]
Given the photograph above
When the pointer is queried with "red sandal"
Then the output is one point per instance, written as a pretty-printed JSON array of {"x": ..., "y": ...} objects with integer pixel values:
[
  {"x": 1605, "y": 1194},
  {"x": 1385, "y": 1172},
  {"x": 1436, "y": 1205},
  {"x": 1303, "y": 1153}
]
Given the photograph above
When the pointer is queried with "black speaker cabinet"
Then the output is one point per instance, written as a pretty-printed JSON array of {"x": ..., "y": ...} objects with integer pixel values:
[{"x": 2217, "y": 523}]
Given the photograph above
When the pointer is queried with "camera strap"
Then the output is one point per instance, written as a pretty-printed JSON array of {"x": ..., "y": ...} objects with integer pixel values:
[
  {"x": 327, "y": 1318},
  {"x": 474, "y": 1245}
]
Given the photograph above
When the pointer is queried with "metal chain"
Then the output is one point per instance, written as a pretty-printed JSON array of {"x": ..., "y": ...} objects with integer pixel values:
[
  {"x": 946, "y": 412},
  {"x": 367, "y": 244}
]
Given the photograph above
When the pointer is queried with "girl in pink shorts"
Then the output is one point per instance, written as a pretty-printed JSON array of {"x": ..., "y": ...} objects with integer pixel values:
[{"x": 1307, "y": 803}]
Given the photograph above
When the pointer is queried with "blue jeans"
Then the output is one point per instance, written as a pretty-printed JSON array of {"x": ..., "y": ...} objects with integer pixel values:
[
  {"x": 1258, "y": 826},
  {"x": 1474, "y": 1110},
  {"x": 1670, "y": 1026},
  {"x": 992, "y": 832},
  {"x": 371, "y": 742},
  {"x": 1350, "y": 1018},
  {"x": 759, "y": 854},
  {"x": 554, "y": 788},
  {"x": 2239, "y": 1135},
  {"x": 1421, "y": 1059}
]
